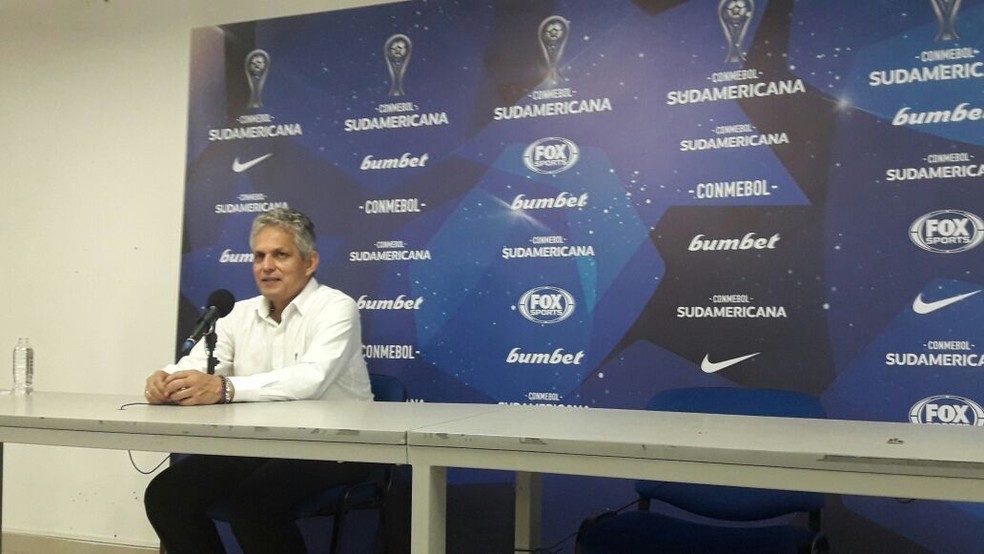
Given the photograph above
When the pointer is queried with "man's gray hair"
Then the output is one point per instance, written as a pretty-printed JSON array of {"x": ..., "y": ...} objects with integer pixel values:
[{"x": 291, "y": 221}]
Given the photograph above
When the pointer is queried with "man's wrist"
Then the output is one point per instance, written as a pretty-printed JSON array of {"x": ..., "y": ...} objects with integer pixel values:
[{"x": 227, "y": 391}]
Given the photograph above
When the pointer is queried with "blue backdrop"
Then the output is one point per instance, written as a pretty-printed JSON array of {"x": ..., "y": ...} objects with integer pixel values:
[{"x": 583, "y": 203}]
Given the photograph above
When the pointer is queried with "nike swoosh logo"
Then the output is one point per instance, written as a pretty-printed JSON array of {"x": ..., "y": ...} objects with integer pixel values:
[
  {"x": 240, "y": 167},
  {"x": 923, "y": 308},
  {"x": 707, "y": 366}
]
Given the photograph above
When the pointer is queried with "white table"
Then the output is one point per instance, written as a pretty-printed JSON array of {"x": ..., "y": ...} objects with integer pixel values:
[
  {"x": 883, "y": 459},
  {"x": 849, "y": 457},
  {"x": 316, "y": 430}
]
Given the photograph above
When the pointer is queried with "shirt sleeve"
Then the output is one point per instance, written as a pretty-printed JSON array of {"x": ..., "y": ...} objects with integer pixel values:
[{"x": 332, "y": 340}]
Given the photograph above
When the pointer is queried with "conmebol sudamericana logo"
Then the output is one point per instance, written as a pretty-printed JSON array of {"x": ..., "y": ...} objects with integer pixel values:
[{"x": 947, "y": 231}]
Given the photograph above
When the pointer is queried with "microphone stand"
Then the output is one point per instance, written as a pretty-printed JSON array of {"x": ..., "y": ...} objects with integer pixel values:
[{"x": 210, "y": 340}]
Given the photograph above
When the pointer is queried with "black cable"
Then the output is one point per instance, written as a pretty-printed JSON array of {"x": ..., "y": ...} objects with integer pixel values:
[
  {"x": 634, "y": 501},
  {"x": 129, "y": 453},
  {"x": 555, "y": 548},
  {"x": 128, "y": 404},
  {"x": 150, "y": 471}
]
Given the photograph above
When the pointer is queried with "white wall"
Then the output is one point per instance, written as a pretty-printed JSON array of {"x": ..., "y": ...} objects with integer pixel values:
[{"x": 93, "y": 118}]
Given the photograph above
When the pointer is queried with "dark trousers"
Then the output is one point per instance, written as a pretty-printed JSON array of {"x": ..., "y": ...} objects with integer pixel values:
[{"x": 261, "y": 492}]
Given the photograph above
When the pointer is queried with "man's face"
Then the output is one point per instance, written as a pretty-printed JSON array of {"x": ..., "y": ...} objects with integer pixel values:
[{"x": 278, "y": 268}]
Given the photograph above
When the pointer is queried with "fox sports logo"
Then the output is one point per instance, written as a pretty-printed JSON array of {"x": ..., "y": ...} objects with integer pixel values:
[
  {"x": 546, "y": 305},
  {"x": 947, "y": 409},
  {"x": 551, "y": 155},
  {"x": 947, "y": 231}
]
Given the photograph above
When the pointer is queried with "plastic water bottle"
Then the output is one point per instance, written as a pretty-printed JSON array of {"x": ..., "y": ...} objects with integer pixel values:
[{"x": 23, "y": 367}]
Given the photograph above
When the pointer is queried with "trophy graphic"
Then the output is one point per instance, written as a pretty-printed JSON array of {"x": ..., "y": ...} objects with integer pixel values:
[
  {"x": 946, "y": 18},
  {"x": 397, "y": 51},
  {"x": 257, "y": 68},
  {"x": 554, "y": 31},
  {"x": 735, "y": 16}
]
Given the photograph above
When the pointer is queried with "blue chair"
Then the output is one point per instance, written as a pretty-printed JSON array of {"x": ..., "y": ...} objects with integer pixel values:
[
  {"x": 337, "y": 502},
  {"x": 725, "y": 512}
]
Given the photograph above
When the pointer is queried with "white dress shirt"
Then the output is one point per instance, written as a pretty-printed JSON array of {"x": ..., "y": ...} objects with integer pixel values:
[{"x": 315, "y": 352}]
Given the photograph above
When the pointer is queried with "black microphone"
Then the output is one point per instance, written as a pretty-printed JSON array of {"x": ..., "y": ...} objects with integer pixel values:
[{"x": 219, "y": 305}]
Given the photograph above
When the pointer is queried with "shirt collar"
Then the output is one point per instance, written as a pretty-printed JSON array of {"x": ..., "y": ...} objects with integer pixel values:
[{"x": 299, "y": 302}]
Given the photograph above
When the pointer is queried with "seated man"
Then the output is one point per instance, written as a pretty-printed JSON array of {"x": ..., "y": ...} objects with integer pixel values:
[{"x": 297, "y": 340}]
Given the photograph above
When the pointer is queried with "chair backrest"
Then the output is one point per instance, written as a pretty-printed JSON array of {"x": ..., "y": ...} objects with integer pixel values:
[
  {"x": 734, "y": 503},
  {"x": 386, "y": 388}
]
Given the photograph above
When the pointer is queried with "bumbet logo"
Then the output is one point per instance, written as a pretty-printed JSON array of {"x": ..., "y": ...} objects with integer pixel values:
[
  {"x": 557, "y": 357},
  {"x": 946, "y": 409},
  {"x": 399, "y": 303},
  {"x": 551, "y": 155},
  {"x": 546, "y": 305},
  {"x": 750, "y": 241},
  {"x": 947, "y": 231}
]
